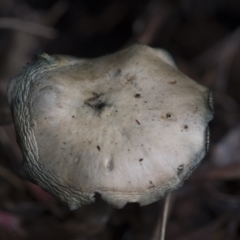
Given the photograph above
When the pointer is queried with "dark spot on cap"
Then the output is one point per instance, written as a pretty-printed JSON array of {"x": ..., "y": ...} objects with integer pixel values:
[
  {"x": 173, "y": 82},
  {"x": 118, "y": 72},
  {"x": 137, "y": 95},
  {"x": 185, "y": 126},
  {"x": 130, "y": 78},
  {"x": 180, "y": 169},
  {"x": 196, "y": 109},
  {"x": 73, "y": 116},
  {"x": 99, "y": 149},
  {"x": 141, "y": 159},
  {"x": 168, "y": 115},
  {"x": 97, "y": 102},
  {"x": 151, "y": 185},
  {"x": 137, "y": 122}
]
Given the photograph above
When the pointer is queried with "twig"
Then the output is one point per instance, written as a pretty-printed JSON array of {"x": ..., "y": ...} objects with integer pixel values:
[
  {"x": 12, "y": 178},
  {"x": 10, "y": 150},
  {"x": 151, "y": 21},
  {"x": 55, "y": 13},
  {"x": 229, "y": 172},
  {"x": 226, "y": 59},
  {"x": 28, "y": 27}
]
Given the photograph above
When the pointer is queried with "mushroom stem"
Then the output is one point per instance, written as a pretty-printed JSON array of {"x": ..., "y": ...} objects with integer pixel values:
[{"x": 165, "y": 216}]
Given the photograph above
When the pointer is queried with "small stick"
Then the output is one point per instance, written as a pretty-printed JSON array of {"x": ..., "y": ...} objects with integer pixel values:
[
  {"x": 165, "y": 216},
  {"x": 28, "y": 27}
]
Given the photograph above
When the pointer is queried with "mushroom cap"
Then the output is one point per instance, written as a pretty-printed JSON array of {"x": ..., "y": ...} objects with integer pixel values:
[{"x": 128, "y": 126}]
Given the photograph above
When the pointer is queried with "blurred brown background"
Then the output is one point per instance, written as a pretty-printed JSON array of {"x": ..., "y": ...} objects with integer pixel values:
[{"x": 203, "y": 37}]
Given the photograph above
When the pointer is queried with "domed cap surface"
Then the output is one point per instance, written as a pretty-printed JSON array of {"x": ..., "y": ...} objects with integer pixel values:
[{"x": 128, "y": 126}]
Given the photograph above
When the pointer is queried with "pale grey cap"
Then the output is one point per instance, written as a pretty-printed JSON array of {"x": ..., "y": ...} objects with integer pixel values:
[{"x": 128, "y": 126}]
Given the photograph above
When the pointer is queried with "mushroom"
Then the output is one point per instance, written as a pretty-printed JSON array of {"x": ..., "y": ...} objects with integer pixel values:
[{"x": 128, "y": 126}]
